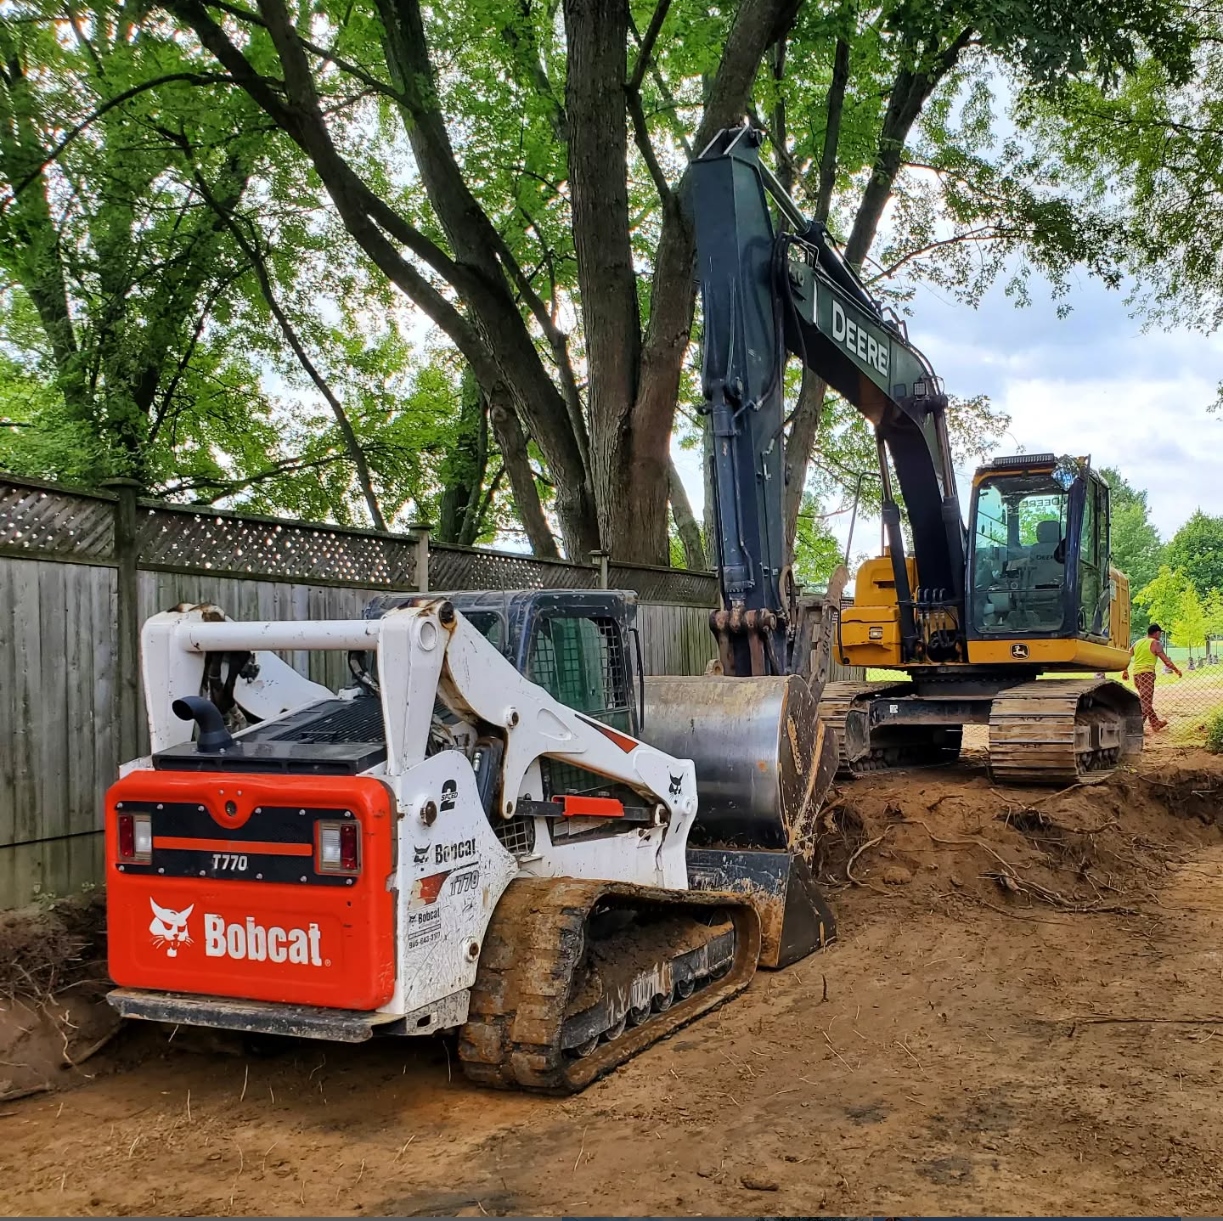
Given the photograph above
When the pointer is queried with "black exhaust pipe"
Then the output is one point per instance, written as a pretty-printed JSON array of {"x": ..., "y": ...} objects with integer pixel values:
[{"x": 213, "y": 737}]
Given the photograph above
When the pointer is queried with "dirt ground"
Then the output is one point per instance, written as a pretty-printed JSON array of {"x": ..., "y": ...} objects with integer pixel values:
[{"x": 1019, "y": 1017}]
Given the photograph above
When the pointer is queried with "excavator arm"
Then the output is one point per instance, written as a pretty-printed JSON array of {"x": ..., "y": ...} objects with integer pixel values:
[{"x": 768, "y": 295}]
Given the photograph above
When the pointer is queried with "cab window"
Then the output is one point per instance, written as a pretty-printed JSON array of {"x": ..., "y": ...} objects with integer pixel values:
[{"x": 1019, "y": 554}]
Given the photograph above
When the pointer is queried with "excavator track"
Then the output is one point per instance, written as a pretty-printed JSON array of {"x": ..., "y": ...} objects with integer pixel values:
[
  {"x": 576, "y": 977},
  {"x": 1062, "y": 731},
  {"x": 845, "y": 708}
]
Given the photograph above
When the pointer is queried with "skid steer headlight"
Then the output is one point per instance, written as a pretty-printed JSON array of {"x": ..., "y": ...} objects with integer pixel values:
[
  {"x": 135, "y": 838},
  {"x": 338, "y": 848},
  {"x": 874, "y": 633}
]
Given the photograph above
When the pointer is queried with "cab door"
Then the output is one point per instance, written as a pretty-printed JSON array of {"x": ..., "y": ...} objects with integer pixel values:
[{"x": 1093, "y": 579}]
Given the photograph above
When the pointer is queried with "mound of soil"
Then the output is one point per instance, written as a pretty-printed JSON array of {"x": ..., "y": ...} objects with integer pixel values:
[
  {"x": 53, "y": 1015},
  {"x": 944, "y": 836}
]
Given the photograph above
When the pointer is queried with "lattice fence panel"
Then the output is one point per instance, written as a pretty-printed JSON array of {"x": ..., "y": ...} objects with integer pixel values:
[
  {"x": 460, "y": 568},
  {"x": 666, "y": 584},
  {"x": 50, "y": 522},
  {"x": 222, "y": 542}
]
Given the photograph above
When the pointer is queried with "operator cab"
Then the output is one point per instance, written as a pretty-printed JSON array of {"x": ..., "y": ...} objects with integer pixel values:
[{"x": 1039, "y": 549}]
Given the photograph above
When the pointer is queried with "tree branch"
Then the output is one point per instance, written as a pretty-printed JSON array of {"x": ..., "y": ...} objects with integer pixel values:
[
  {"x": 193, "y": 78},
  {"x": 255, "y": 257},
  {"x": 832, "y": 130}
]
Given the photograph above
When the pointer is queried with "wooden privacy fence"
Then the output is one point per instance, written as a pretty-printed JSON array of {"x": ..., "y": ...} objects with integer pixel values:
[{"x": 80, "y": 572}]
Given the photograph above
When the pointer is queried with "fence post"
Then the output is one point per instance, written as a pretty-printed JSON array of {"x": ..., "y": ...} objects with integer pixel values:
[
  {"x": 420, "y": 531},
  {"x": 127, "y": 654},
  {"x": 601, "y": 558}
]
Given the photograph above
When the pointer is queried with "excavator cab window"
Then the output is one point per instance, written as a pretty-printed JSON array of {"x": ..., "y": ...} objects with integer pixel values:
[{"x": 1019, "y": 554}]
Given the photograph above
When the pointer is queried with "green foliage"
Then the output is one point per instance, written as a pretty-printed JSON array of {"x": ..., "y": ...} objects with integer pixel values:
[
  {"x": 1161, "y": 597},
  {"x": 816, "y": 550},
  {"x": 1196, "y": 549},
  {"x": 1144, "y": 154},
  {"x": 1189, "y": 626},
  {"x": 1214, "y": 731},
  {"x": 137, "y": 335},
  {"x": 1213, "y": 610},
  {"x": 1137, "y": 549}
]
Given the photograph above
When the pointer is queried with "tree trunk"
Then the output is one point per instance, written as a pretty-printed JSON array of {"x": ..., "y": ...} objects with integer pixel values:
[
  {"x": 685, "y": 523},
  {"x": 596, "y": 33},
  {"x": 513, "y": 446},
  {"x": 640, "y": 530},
  {"x": 478, "y": 249},
  {"x": 910, "y": 92},
  {"x": 803, "y": 430},
  {"x": 464, "y": 468},
  {"x": 832, "y": 129}
]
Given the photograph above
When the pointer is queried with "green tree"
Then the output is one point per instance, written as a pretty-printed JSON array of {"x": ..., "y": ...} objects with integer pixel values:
[
  {"x": 1213, "y": 609},
  {"x": 1163, "y": 596},
  {"x": 816, "y": 550},
  {"x": 545, "y": 230},
  {"x": 1189, "y": 623},
  {"x": 1196, "y": 549},
  {"x": 1137, "y": 549}
]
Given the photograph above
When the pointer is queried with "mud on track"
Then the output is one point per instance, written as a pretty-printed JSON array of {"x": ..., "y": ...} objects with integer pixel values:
[{"x": 1024, "y": 1015}]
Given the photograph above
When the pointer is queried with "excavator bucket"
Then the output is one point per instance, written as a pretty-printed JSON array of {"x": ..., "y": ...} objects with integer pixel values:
[{"x": 764, "y": 765}]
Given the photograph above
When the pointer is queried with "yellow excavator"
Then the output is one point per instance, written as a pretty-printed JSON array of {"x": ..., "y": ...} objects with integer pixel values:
[{"x": 990, "y": 622}]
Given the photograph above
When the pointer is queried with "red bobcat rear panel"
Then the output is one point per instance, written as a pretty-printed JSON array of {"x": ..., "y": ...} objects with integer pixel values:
[{"x": 269, "y": 888}]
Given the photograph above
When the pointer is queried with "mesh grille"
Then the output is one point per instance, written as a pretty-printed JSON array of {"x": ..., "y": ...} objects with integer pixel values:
[
  {"x": 580, "y": 661},
  {"x": 517, "y": 834},
  {"x": 358, "y": 720}
]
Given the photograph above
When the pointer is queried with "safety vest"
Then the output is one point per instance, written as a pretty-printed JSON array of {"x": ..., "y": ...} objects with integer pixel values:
[{"x": 1144, "y": 659}]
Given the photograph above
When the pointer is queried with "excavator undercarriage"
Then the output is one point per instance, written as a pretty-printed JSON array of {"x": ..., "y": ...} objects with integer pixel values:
[{"x": 1069, "y": 731}]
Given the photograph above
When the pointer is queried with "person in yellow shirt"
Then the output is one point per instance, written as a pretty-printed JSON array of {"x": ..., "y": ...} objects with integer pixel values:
[{"x": 1143, "y": 655}]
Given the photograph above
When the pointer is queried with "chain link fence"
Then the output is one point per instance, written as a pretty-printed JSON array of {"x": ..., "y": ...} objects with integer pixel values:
[{"x": 1188, "y": 702}]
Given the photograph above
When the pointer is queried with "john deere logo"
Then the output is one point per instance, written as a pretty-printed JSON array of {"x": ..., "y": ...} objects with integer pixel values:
[{"x": 1019, "y": 651}]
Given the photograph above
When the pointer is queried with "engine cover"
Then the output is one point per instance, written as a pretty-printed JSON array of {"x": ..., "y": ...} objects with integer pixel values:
[{"x": 232, "y": 897}]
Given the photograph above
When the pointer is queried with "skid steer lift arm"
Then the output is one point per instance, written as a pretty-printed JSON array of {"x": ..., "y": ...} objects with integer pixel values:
[
  {"x": 767, "y": 295},
  {"x": 426, "y": 653}
]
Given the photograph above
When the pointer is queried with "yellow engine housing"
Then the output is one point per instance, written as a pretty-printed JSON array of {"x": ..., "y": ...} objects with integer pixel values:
[{"x": 870, "y": 630}]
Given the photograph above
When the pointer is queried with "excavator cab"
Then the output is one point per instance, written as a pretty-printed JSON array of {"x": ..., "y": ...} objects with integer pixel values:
[
  {"x": 1039, "y": 551},
  {"x": 1039, "y": 566}
]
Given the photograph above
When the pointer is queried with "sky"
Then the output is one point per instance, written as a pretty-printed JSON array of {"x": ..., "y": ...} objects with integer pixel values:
[{"x": 1094, "y": 383}]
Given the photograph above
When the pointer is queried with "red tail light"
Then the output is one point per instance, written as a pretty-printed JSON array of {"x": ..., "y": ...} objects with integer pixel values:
[
  {"x": 127, "y": 837},
  {"x": 338, "y": 847},
  {"x": 348, "y": 847},
  {"x": 135, "y": 838}
]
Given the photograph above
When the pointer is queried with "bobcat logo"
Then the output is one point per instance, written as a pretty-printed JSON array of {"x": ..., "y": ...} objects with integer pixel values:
[
  {"x": 420, "y": 853},
  {"x": 677, "y": 783},
  {"x": 169, "y": 928}
]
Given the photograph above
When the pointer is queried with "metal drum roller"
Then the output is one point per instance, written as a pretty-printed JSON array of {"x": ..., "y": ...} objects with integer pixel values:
[{"x": 763, "y": 767}]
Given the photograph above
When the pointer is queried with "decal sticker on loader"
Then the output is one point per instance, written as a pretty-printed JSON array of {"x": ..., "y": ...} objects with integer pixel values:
[
  {"x": 677, "y": 783},
  {"x": 169, "y": 928},
  {"x": 424, "y": 927},
  {"x": 450, "y": 796},
  {"x": 249, "y": 940},
  {"x": 426, "y": 890},
  {"x": 237, "y": 940}
]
